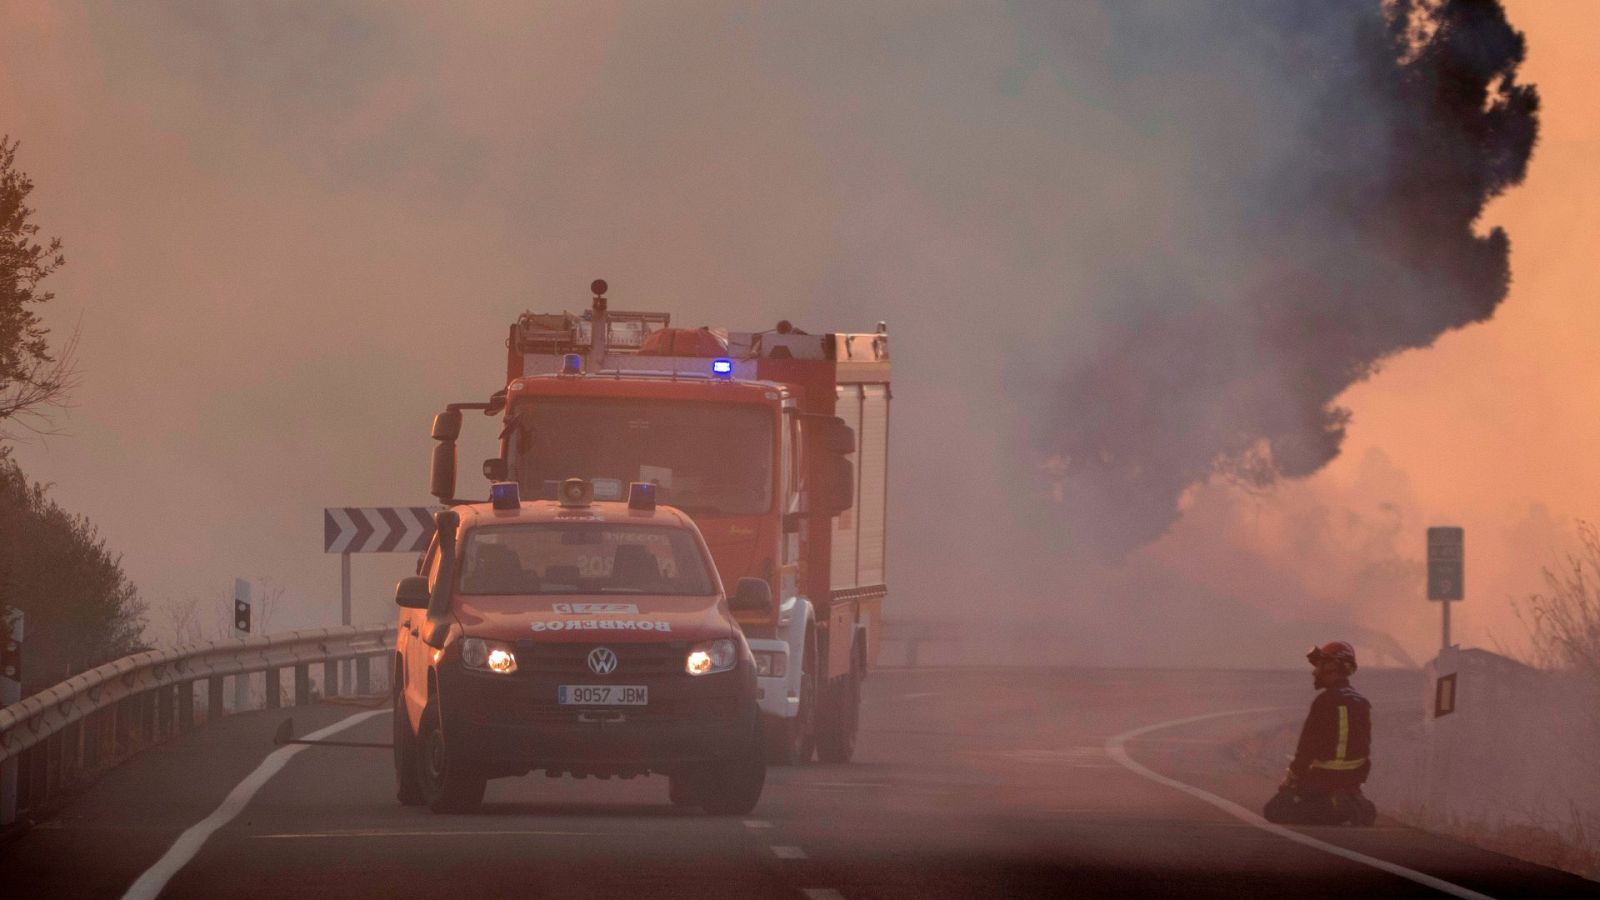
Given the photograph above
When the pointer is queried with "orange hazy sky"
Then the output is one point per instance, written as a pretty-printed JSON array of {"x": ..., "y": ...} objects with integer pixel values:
[
  {"x": 1500, "y": 418},
  {"x": 294, "y": 232}
]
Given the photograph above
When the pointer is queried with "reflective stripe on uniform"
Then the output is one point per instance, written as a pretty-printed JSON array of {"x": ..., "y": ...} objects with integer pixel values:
[{"x": 1339, "y": 763}]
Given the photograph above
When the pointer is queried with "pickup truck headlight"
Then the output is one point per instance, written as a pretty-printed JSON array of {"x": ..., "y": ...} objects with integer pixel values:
[
  {"x": 488, "y": 656},
  {"x": 712, "y": 656}
]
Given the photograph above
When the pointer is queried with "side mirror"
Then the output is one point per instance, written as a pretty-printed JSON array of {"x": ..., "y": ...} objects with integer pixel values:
[
  {"x": 494, "y": 469},
  {"x": 412, "y": 592},
  {"x": 442, "y": 483},
  {"x": 841, "y": 437},
  {"x": 842, "y": 485},
  {"x": 753, "y": 595},
  {"x": 447, "y": 425}
]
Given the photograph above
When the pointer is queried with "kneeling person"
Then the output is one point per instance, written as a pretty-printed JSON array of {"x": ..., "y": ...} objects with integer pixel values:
[{"x": 1323, "y": 784}]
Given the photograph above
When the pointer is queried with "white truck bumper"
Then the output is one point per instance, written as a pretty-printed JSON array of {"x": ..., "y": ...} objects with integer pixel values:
[{"x": 779, "y": 697}]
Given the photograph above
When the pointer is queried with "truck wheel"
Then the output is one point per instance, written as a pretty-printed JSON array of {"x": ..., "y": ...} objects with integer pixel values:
[
  {"x": 732, "y": 787},
  {"x": 680, "y": 790},
  {"x": 408, "y": 790},
  {"x": 790, "y": 742},
  {"x": 840, "y": 717},
  {"x": 448, "y": 784}
]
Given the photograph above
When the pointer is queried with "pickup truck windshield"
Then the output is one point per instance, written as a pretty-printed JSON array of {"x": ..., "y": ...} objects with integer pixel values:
[
  {"x": 706, "y": 458},
  {"x": 582, "y": 558}
]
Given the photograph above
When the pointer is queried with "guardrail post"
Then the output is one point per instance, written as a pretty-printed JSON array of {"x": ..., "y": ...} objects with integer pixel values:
[
  {"x": 56, "y": 770},
  {"x": 10, "y": 692},
  {"x": 186, "y": 706},
  {"x": 363, "y": 675},
  {"x": 302, "y": 684},
  {"x": 80, "y": 745},
  {"x": 273, "y": 688},
  {"x": 214, "y": 708},
  {"x": 147, "y": 717},
  {"x": 330, "y": 678},
  {"x": 165, "y": 714}
]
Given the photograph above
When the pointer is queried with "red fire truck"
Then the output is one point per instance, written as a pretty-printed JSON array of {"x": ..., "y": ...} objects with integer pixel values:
[{"x": 775, "y": 443}]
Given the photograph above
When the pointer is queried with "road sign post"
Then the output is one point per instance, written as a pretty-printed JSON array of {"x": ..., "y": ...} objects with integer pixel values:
[
  {"x": 380, "y": 529},
  {"x": 1446, "y": 571}
]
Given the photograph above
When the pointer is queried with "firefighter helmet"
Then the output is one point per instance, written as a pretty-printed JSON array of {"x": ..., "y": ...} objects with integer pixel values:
[{"x": 1334, "y": 650}]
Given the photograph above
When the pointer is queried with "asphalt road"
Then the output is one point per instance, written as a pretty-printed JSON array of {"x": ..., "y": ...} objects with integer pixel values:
[{"x": 968, "y": 783}]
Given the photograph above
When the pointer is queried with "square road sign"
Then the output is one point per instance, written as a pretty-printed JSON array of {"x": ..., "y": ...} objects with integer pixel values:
[{"x": 1446, "y": 563}]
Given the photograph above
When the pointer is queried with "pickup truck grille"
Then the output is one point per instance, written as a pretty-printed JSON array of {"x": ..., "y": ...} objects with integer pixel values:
[{"x": 633, "y": 660}]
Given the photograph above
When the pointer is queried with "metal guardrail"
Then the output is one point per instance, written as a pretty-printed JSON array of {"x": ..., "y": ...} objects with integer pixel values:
[{"x": 95, "y": 719}]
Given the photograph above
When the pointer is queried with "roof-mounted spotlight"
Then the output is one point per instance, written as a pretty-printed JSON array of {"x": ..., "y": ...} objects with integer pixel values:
[{"x": 577, "y": 492}]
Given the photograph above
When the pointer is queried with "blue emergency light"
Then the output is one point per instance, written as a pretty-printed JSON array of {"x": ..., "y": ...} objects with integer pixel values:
[
  {"x": 505, "y": 495},
  {"x": 722, "y": 367},
  {"x": 642, "y": 495},
  {"x": 572, "y": 364}
]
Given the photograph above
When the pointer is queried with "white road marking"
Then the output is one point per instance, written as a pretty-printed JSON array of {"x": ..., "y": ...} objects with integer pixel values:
[
  {"x": 189, "y": 843},
  {"x": 784, "y": 851},
  {"x": 845, "y": 785},
  {"x": 1115, "y": 747},
  {"x": 919, "y": 696},
  {"x": 821, "y": 894},
  {"x": 322, "y": 835},
  {"x": 757, "y": 823}
]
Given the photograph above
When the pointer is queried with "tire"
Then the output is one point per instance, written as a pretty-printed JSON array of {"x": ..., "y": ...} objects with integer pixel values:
[
  {"x": 790, "y": 742},
  {"x": 839, "y": 720},
  {"x": 681, "y": 790},
  {"x": 448, "y": 784},
  {"x": 408, "y": 790},
  {"x": 733, "y": 787}
]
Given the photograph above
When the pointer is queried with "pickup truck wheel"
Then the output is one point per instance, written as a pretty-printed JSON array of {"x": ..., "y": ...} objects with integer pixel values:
[
  {"x": 732, "y": 787},
  {"x": 680, "y": 790},
  {"x": 790, "y": 742},
  {"x": 449, "y": 784},
  {"x": 839, "y": 720},
  {"x": 408, "y": 790}
]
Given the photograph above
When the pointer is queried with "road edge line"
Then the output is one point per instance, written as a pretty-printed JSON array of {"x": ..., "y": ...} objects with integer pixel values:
[
  {"x": 149, "y": 885},
  {"x": 1115, "y": 749}
]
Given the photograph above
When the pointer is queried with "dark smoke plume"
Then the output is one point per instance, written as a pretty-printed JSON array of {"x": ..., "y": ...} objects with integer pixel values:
[{"x": 1362, "y": 246}]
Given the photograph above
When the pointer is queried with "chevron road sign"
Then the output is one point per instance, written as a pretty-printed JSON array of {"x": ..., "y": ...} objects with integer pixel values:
[{"x": 377, "y": 529}]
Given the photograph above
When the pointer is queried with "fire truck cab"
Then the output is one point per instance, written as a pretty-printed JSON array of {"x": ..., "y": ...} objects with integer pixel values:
[{"x": 774, "y": 442}]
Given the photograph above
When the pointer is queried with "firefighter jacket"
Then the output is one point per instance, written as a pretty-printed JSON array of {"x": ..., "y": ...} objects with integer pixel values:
[{"x": 1337, "y": 737}]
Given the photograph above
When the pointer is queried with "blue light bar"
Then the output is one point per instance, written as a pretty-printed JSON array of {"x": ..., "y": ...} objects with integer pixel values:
[
  {"x": 572, "y": 364},
  {"x": 505, "y": 495},
  {"x": 722, "y": 367},
  {"x": 642, "y": 495}
]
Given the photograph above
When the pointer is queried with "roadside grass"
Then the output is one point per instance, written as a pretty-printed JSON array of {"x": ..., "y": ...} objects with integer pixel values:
[{"x": 1568, "y": 840}]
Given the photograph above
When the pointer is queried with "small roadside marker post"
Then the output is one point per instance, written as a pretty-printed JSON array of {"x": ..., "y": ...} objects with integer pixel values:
[
  {"x": 241, "y": 629},
  {"x": 1446, "y": 571},
  {"x": 10, "y": 692}
]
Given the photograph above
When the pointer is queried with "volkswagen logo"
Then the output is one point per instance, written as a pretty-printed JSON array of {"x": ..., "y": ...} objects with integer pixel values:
[{"x": 602, "y": 661}]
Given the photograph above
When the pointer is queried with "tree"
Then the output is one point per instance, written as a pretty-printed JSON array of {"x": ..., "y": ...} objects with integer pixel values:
[
  {"x": 1564, "y": 622},
  {"x": 32, "y": 379},
  {"x": 81, "y": 608}
]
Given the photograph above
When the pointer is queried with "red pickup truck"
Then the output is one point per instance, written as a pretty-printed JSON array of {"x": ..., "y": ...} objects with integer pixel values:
[{"x": 578, "y": 637}]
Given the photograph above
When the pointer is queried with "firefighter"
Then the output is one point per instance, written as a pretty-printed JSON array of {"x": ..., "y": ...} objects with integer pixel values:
[{"x": 1323, "y": 784}]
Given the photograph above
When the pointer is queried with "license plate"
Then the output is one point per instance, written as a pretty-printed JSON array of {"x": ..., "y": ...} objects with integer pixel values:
[{"x": 604, "y": 695}]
